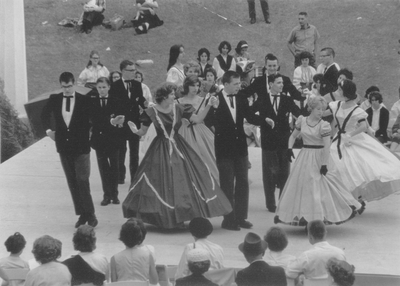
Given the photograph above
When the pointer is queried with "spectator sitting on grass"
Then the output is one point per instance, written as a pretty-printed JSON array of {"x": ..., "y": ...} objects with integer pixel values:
[
  {"x": 15, "y": 244},
  {"x": 92, "y": 15},
  {"x": 146, "y": 17}
]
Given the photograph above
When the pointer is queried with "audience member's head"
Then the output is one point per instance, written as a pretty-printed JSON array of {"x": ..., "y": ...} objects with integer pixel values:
[
  {"x": 276, "y": 239},
  {"x": 210, "y": 74},
  {"x": 271, "y": 64},
  {"x": 316, "y": 101},
  {"x": 375, "y": 96},
  {"x": 253, "y": 247},
  {"x": 139, "y": 76},
  {"x": 190, "y": 81},
  {"x": 191, "y": 68},
  {"x": 115, "y": 75},
  {"x": 200, "y": 227},
  {"x": 15, "y": 243},
  {"x": 344, "y": 74},
  {"x": 176, "y": 52},
  {"x": 163, "y": 92},
  {"x": 341, "y": 272},
  {"x": 46, "y": 249},
  {"x": 303, "y": 19},
  {"x": 370, "y": 89},
  {"x": 349, "y": 89},
  {"x": 94, "y": 59},
  {"x": 131, "y": 233},
  {"x": 316, "y": 231},
  {"x": 224, "y": 47},
  {"x": 84, "y": 238},
  {"x": 198, "y": 260},
  {"x": 319, "y": 81},
  {"x": 241, "y": 47},
  {"x": 305, "y": 58},
  {"x": 203, "y": 55}
]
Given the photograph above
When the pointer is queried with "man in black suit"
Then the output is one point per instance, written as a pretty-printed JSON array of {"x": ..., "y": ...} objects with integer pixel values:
[
  {"x": 231, "y": 149},
  {"x": 72, "y": 123},
  {"x": 260, "y": 86},
  {"x": 258, "y": 273},
  {"x": 130, "y": 94},
  {"x": 329, "y": 69},
  {"x": 106, "y": 138},
  {"x": 274, "y": 109}
]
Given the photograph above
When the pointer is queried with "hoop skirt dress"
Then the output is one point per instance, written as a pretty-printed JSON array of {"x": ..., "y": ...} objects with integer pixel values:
[
  {"x": 201, "y": 139},
  {"x": 308, "y": 195},
  {"x": 368, "y": 168},
  {"x": 172, "y": 184}
]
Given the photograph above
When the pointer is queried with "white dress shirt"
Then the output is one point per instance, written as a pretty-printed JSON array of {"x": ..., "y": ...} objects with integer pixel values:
[
  {"x": 228, "y": 102},
  {"x": 68, "y": 114},
  {"x": 312, "y": 263},
  {"x": 278, "y": 258},
  {"x": 216, "y": 256}
]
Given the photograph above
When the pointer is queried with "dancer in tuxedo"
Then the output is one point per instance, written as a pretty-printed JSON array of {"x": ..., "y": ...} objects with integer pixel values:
[
  {"x": 106, "y": 138},
  {"x": 274, "y": 108},
  {"x": 72, "y": 123},
  {"x": 231, "y": 149},
  {"x": 130, "y": 94},
  {"x": 260, "y": 85}
]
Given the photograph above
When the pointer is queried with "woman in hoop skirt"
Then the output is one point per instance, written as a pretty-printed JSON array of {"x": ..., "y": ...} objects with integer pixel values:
[
  {"x": 314, "y": 190},
  {"x": 172, "y": 184},
  {"x": 369, "y": 169},
  {"x": 199, "y": 137}
]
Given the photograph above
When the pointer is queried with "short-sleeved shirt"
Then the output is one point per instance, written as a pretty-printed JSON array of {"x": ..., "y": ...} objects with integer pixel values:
[
  {"x": 304, "y": 39},
  {"x": 51, "y": 273}
]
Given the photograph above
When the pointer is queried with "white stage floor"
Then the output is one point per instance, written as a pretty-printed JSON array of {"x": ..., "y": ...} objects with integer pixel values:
[{"x": 35, "y": 200}]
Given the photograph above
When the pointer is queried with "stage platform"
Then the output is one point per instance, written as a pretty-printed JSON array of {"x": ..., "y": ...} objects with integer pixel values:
[{"x": 35, "y": 200}]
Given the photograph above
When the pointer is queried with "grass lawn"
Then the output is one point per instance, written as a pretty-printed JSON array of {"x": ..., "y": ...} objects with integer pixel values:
[{"x": 364, "y": 34}]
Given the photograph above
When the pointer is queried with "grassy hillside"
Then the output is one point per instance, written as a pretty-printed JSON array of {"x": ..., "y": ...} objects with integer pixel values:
[{"x": 364, "y": 34}]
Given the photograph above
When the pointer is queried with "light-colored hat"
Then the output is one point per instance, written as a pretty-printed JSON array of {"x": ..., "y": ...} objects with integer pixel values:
[{"x": 197, "y": 255}]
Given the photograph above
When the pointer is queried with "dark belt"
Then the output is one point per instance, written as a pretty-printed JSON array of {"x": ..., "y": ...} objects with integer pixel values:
[
  {"x": 338, "y": 137},
  {"x": 313, "y": 146}
]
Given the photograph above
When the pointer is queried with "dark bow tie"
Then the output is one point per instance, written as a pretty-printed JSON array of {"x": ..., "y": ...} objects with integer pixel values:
[
  {"x": 231, "y": 95},
  {"x": 104, "y": 98},
  {"x": 68, "y": 96}
]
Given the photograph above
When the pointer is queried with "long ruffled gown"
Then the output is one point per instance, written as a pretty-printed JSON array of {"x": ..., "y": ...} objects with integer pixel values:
[
  {"x": 172, "y": 184},
  {"x": 200, "y": 138},
  {"x": 368, "y": 168},
  {"x": 308, "y": 195}
]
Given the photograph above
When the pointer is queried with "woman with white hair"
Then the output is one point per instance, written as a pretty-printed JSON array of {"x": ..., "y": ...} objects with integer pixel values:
[{"x": 314, "y": 189}]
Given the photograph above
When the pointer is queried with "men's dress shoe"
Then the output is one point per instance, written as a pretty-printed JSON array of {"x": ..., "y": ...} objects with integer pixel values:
[
  {"x": 116, "y": 201},
  {"x": 81, "y": 221},
  {"x": 230, "y": 226},
  {"x": 252, "y": 20},
  {"x": 245, "y": 224},
  {"x": 105, "y": 202},
  {"x": 268, "y": 21},
  {"x": 92, "y": 221}
]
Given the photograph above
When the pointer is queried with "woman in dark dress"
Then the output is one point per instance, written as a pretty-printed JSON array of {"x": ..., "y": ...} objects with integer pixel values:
[{"x": 172, "y": 184}]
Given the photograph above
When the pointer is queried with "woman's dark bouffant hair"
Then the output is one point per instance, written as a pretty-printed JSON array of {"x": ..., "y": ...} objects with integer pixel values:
[
  {"x": 131, "y": 233},
  {"x": 341, "y": 272},
  {"x": 173, "y": 55},
  {"x": 15, "y": 243},
  {"x": 163, "y": 91},
  {"x": 349, "y": 89},
  {"x": 223, "y": 44},
  {"x": 202, "y": 51},
  {"x": 370, "y": 89},
  {"x": 276, "y": 239},
  {"x": 84, "y": 238},
  {"x": 199, "y": 267},
  {"x": 190, "y": 81},
  {"x": 46, "y": 249}
]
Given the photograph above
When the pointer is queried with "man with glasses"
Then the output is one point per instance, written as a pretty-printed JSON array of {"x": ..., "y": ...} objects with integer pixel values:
[
  {"x": 302, "y": 38},
  {"x": 71, "y": 134},
  {"x": 130, "y": 95},
  {"x": 329, "y": 69}
]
